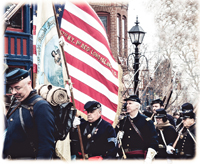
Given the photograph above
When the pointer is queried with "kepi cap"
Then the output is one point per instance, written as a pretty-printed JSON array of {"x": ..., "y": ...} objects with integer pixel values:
[
  {"x": 133, "y": 98},
  {"x": 187, "y": 114},
  {"x": 91, "y": 105},
  {"x": 160, "y": 113},
  {"x": 16, "y": 75},
  {"x": 157, "y": 101},
  {"x": 187, "y": 106}
]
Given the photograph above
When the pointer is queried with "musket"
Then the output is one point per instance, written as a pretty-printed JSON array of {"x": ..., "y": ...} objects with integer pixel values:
[
  {"x": 176, "y": 141},
  {"x": 168, "y": 99},
  {"x": 191, "y": 136},
  {"x": 152, "y": 116}
]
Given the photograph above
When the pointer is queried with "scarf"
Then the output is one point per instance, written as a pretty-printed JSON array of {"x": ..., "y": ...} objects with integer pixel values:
[{"x": 162, "y": 125}]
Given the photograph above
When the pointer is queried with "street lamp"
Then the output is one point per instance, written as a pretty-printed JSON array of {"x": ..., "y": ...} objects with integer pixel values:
[{"x": 136, "y": 35}]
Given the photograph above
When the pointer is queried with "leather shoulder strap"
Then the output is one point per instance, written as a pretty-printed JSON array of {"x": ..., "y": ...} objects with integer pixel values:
[
  {"x": 136, "y": 129},
  {"x": 30, "y": 106}
]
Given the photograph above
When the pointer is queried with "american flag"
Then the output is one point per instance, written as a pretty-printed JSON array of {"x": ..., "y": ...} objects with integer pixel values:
[{"x": 92, "y": 68}]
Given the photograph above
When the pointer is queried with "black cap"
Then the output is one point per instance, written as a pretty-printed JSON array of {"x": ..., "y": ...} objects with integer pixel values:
[
  {"x": 133, "y": 98},
  {"x": 157, "y": 101},
  {"x": 16, "y": 75},
  {"x": 91, "y": 105},
  {"x": 188, "y": 114},
  {"x": 187, "y": 106},
  {"x": 160, "y": 113}
]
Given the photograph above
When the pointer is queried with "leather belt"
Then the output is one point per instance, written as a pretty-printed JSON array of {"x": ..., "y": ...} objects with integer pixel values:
[{"x": 133, "y": 151}]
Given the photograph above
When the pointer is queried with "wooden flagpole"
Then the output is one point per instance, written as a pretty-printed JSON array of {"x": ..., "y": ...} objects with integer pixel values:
[{"x": 70, "y": 83}]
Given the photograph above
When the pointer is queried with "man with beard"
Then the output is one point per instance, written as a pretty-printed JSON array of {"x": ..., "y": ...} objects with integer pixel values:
[
  {"x": 157, "y": 104},
  {"x": 30, "y": 129}
]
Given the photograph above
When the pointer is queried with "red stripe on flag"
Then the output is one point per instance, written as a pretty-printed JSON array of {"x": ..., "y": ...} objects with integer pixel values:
[
  {"x": 34, "y": 49},
  {"x": 91, "y": 72},
  {"x": 34, "y": 29},
  {"x": 84, "y": 88},
  {"x": 34, "y": 68}
]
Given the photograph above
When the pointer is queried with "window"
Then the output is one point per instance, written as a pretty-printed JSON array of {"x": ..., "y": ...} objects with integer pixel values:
[
  {"x": 16, "y": 21},
  {"x": 105, "y": 18},
  {"x": 124, "y": 36},
  {"x": 118, "y": 34}
]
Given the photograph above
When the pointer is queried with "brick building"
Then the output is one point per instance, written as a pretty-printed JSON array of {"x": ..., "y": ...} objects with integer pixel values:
[{"x": 114, "y": 17}]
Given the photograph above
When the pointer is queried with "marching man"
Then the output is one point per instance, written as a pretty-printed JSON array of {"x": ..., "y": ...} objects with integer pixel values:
[{"x": 137, "y": 133}]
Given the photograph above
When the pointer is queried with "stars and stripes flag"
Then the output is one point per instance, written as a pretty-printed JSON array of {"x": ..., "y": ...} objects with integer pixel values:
[{"x": 92, "y": 68}]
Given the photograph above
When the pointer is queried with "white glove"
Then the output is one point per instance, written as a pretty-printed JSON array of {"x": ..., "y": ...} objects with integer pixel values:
[
  {"x": 61, "y": 41},
  {"x": 169, "y": 149},
  {"x": 150, "y": 155},
  {"x": 76, "y": 122},
  {"x": 120, "y": 134}
]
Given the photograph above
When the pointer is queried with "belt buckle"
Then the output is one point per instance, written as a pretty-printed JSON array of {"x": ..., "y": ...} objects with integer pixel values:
[
  {"x": 86, "y": 156},
  {"x": 161, "y": 146}
]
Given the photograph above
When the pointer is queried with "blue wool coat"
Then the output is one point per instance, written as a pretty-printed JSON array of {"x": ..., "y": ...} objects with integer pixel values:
[
  {"x": 39, "y": 130},
  {"x": 131, "y": 140},
  {"x": 102, "y": 143}
]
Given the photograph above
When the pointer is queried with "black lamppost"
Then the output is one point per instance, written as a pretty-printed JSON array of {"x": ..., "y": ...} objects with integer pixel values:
[{"x": 136, "y": 35}]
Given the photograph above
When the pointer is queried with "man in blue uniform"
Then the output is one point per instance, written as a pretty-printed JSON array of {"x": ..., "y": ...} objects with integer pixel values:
[
  {"x": 166, "y": 135},
  {"x": 30, "y": 130},
  {"x": 98, "y": 136},
  {"x": 184, "y": 107},
  {"x": 137, "y": 133},
  {"x": 186, "y": 145}
]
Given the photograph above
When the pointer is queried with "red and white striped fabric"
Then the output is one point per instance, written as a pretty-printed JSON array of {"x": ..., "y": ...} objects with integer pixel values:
[
  {"x": 34, "y": 38},
  {"x": 92, "y": 68}
]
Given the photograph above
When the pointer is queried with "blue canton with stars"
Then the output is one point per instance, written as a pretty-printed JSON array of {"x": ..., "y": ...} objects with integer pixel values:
[{"x": 59, "y": 12}]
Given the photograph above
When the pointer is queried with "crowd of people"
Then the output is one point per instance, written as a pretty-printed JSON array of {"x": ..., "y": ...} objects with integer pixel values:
[{"x": 138, "y": 135}]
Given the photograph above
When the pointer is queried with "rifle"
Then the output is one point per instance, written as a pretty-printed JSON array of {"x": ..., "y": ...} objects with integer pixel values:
[
  {"x": 168, "y": 100},
  {"x": 176, "y": 141}
]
